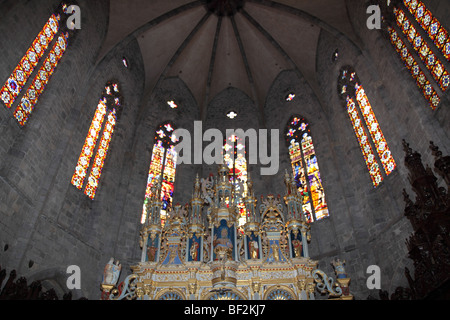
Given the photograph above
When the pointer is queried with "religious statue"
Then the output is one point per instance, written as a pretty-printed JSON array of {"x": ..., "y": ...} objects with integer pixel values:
[
  {"x": 173, "y": 252},
  {"x": 151, "y": 253},
  {"x": 339, "y": 268},
  {"x": 253, "y": 249},
  {"x": 223, "y": 241},
  {"x": 111, "y": 272},
  {"x": 240, "y": 245},
  {"x": 297, "y": 246},
  {"x": 151, "y": 249},
  {"x": 207, "y": 192},
  {"x": 275, "y": 253},
  {"x": 194, "y": 250},
  {"x": 223, "y": 245},
  {"x": 206, "y": 246}
]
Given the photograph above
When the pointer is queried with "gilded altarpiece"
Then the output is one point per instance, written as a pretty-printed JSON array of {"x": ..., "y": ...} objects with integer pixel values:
[{"x": 200, "y": 254}]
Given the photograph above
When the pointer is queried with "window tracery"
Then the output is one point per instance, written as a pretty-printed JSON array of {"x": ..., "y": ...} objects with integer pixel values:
[
  {"x": 43, "y": 48},
  {"x": 98, "y": 140},
  {"x": 306, "y": 169},
  {"x": 363, "y": 120},
  {"x": 163, "y": 168}
]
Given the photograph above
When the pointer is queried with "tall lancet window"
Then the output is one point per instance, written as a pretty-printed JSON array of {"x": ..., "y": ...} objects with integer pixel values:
[
  {"x": 416, "y": 71},
  {"x": 363, "y": 120},
  {"x": 234, "y": 158},
  {"x": 411, "y": 33},
  {"x": 37, "y": 66},
  {"x": 97, "y": 141},
  {"x": 424, "y": 51},
  {"x": 163, "y": 167},
  {"x": 430, "y": 25},
  {"x": 306, "y": 169}
]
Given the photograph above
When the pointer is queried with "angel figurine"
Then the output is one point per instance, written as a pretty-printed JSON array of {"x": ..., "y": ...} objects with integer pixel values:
[
  {"x": 339, "y": 268},
  {"x": 111, "y": 272},
  {"x": 207, "y": 185}
]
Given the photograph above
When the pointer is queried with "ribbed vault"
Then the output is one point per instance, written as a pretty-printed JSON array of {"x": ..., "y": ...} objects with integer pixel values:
[{"x": 215, "y": 44}]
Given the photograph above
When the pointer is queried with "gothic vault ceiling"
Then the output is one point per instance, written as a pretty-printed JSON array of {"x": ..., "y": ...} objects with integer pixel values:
[{"x": 214, "y": 44}]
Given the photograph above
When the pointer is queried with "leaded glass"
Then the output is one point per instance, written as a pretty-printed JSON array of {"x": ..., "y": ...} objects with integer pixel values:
[
  {"x": 363, "y": 140},
  {"x": 427, "y": 89},
  {"x": 99, "y": 136},
  {"x": 433, "y": 64},
  {"x": 163, "y": 168},
  {"x": 41, "y": 79},
  {"x": 30, "y": 60},
  {"x": 234, "y": 158},
  {"x": 306, "y": 169},
  {"x": 100, "y": 157},
  {"x": 363, "y": 120},
  {"x": 374, "y": 130},
  {"x": 89, "y": 145},
  {"x": 300, "y": 177},
  {"x": 431, "y": 25}
]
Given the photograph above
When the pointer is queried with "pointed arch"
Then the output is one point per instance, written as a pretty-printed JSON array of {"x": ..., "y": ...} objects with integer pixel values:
[
  {"x": 98, "y": 140},
  {"x": 162, "y": 167},
  {"x": 51, "y": 43},
  {"x": 363, "y": 120}
]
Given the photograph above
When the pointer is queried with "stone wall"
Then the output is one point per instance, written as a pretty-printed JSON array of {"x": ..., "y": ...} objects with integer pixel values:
[
  {"x": 44, "y": 218},
  {"x": 47, "y": 220},
  {"x": 374, "y": 224}
]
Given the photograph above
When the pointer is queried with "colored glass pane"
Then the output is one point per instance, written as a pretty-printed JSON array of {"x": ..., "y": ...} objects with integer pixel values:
[
  {"x": 428, "y": 91},
  {"x": 100, "y": 157},
  {"x": 155, "y": 166},
  {"x": 431, "y": 25},
  {"x": 300, "y": 177},
  {"x": 26, "y": 66},
  {"x": 363, "y": 140},
  {"x": 313, "y": 173},
  {"x": 433, "y": 64},
  {"x": 306, "y": 169},
  {"x": 375, "y": 132},
  {"x": 162, "y": 164},
  {"x": 89, "y": 146},
  {"x": 102, "y": 126},
  {"x": 41, "y": 79},
  {"x": 168, "y": 181},
  {"x": 154, "y": 173},
  {"x": 234, "y": 158}
]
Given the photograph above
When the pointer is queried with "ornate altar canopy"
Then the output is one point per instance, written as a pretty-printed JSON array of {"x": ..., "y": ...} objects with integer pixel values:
[{"x": 201, "y": 251}]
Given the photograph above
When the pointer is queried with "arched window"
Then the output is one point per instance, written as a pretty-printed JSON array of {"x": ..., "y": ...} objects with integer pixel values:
[
  {"x": 363, "y": 119},
  {"x": 306, "y": 168},
  {"x": 409, "y": 22},
  {"x": 436, "y": 32},
  {"x": 422, "y": 82},
  {"x": 234, "y": 158},
  {"x": 163, "y": 164},
  {"x": 103, "y": 123},
  {"x": 54, "y": 35},
  {"x": 424, "y": 51}
]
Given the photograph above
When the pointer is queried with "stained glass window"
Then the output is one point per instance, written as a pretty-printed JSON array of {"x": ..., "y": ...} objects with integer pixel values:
[
  {"x": 363, "y": 120},
  {"x": 416, "y": 72},
  {"x": 437, "y": 33},
  {"x": 162, "y": 167},
  {"x": 433, "y": 64},
  {"x": 30, "y": 65},
  {"x": 306, "y": 169},
  {"x": 97, "y": 141},
  {"x": 234, "y": 158}
]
